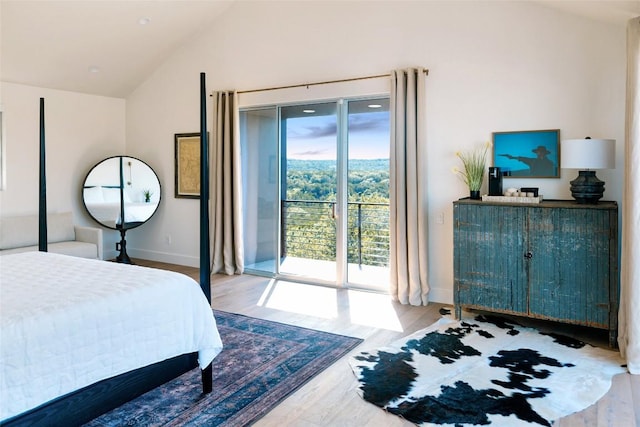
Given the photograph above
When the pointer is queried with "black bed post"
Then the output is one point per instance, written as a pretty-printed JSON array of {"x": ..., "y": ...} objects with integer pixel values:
[
  {"x": 205, "y": 257},
  {"x": 42, "y": 205}
]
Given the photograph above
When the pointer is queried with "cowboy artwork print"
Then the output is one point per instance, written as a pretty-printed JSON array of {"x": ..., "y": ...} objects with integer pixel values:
[{"x": 527, "y": 154}]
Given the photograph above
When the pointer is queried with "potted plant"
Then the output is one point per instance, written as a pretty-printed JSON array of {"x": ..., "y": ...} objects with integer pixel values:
[
  {"x": 473, "y": 163},
  {"x": 147, "y": 195}
]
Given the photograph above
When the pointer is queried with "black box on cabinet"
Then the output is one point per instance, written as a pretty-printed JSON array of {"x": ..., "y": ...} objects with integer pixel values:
[{"x": 495, "y": 181}]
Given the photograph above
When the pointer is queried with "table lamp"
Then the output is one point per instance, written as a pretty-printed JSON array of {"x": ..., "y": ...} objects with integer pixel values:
[{"x": 585, "y": 155}]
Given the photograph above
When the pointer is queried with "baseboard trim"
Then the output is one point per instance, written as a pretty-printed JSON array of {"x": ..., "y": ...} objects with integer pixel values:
[
  {"x": 189, "y": 261},
  {"x": 441, "y": 295}
]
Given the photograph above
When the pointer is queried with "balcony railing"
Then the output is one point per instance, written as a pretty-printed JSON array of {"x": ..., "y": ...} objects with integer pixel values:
[{"x": 309, "y": 231}]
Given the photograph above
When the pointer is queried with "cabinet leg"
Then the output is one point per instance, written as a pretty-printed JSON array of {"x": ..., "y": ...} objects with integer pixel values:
[
  {"x": 613, "y": 338},
  {"x": 457, "y": 312}
]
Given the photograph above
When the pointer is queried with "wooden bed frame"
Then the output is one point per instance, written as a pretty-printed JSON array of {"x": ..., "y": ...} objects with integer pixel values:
[{"x": 88, "y": 403}]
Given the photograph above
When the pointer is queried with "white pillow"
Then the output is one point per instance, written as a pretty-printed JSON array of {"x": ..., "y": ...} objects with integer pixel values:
[
  {"x": 111, "y": 195},
  {"x": 93, "y": 195},
  {"x": 127, "y": 196}
]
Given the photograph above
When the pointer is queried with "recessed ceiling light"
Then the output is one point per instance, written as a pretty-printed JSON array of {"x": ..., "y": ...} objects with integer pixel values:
[
  {"x": 308, "y": 111},
  {"x": 94, "y": 69},
  {"x": 374, "y": 106},
  {"x": 144, "y": 21}
]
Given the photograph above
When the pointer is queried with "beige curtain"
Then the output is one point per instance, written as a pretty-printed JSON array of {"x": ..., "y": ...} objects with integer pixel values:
[
  {"x": 227, "y": 252},
  {"x": 629, "y": 314},
  {"x": 408, "y": 188}
]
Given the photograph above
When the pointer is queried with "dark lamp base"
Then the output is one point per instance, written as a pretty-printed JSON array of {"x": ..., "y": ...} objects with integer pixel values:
[
  {"x": 587, "y": 188},
  {"x": 121, "y": 246}
]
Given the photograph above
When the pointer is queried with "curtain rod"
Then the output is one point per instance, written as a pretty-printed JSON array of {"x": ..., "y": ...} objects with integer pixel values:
[{"x": 319, "y": 83}]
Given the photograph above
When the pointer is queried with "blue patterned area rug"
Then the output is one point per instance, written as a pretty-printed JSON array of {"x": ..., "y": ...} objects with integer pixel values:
[
  {"x": 484, "y": 370},
  {"x": 261, "y": 364}
]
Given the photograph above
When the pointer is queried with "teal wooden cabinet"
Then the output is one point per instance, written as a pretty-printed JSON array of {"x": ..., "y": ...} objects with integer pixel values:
[{"x": 556, "y": 260}]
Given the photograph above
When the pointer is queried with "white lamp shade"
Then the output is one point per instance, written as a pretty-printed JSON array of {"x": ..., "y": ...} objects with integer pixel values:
[{"x": 588, "y": 154}]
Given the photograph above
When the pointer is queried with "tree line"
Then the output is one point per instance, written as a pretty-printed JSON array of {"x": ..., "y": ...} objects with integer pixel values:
[{"x": 310, "y": 229}]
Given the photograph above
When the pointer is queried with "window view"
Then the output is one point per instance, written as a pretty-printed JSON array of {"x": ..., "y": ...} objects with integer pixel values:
[
  {"x": 368, "y": 192},
  {"x": 310, "y": 184},
  {"x": 333, "y": 158}
]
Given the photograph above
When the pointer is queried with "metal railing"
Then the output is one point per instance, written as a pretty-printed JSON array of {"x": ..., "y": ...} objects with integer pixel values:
[{"x": 309, "y": 231}]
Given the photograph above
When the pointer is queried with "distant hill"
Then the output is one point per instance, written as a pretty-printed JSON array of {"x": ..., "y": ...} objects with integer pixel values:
[
  {"x": 317, "y": 180},
  {"x": 372, "y": 165}
]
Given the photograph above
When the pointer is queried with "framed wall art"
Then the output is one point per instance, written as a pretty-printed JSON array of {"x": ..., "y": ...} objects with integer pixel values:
[
  {"x": 527, "y": 154},
  {"x": 187, "y": 160}
]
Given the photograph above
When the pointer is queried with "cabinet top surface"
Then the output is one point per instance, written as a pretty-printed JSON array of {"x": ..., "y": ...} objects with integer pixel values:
[{"x": 544, "y": 204}]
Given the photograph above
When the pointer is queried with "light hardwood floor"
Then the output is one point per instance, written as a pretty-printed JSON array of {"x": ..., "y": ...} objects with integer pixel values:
[{"x": 330, "y": 399}]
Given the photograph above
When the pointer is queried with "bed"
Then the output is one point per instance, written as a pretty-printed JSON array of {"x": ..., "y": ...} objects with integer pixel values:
[
  {"x": 80, "y": 337},
  {"x": 121, "y": 317}
]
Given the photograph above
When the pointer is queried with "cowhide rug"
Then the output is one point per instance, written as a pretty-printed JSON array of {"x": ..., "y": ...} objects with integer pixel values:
[{"x": 484, "y": 370}]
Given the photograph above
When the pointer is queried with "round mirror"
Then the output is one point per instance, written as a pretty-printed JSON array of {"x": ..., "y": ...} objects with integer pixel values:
[{"x": 121, "y": 187}]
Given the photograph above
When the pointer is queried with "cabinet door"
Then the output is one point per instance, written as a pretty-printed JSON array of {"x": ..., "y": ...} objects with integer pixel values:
[
  {"x": 488, "y": 257},
  {"x": 569, "y": 265}
]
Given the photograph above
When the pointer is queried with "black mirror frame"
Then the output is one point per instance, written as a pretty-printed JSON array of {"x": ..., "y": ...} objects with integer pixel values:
[{"x": 116, "y": 227}]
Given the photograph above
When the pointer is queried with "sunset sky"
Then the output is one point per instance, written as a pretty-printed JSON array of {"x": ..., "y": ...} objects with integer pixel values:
[{"x": 315, "y": 137}]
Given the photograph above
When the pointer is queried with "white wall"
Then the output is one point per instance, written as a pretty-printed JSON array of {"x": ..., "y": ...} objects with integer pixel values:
[
  {"x": 80, "y": 130},
  {"x": 494, "y": 66}
]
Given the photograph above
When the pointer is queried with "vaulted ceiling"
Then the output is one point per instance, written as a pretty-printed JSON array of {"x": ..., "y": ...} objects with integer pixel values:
[
  {"x": 102, "y": 47},
  {"x": 109, "y": 47}
]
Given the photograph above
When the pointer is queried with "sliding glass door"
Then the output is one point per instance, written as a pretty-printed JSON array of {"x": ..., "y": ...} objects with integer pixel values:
[
  {"x": 367, "y": 196},
  {"x": 317, "y": 192},
  {"x": 309, "y": 178},
  {"x": 261, "y": 195}
]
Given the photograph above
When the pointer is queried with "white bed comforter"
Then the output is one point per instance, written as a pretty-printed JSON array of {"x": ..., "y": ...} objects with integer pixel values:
[
  {"x": 69, "y": 322},
  {"x": 109, "y": 213}
]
